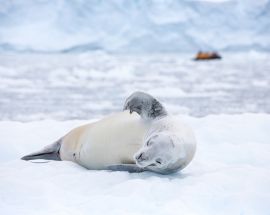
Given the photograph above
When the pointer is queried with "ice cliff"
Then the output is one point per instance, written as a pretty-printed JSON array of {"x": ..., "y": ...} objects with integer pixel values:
[{"x": 134, "y": 25}]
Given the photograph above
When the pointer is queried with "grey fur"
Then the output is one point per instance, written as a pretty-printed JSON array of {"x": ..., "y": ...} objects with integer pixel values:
[
  {"x": 145, "y": 105},
  {"x": 132, "y": 168},
  {"x": 50, "y": 152}
]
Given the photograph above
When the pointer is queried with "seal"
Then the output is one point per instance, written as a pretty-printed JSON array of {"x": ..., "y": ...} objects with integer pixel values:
[
  {"x": 108, "y": 142},
  {"x": 141, "y": 138},
  {"x": 169, "y": 145}
]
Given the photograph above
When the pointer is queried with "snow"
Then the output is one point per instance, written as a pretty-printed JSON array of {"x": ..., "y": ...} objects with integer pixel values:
[
  {"x": 230, "y": 173},
  {"x": 66, "y": 63},
  {"x": 91, "y": 85},
  {"x": 43, "y": 96},
  {"x": 134, "y": 26}
]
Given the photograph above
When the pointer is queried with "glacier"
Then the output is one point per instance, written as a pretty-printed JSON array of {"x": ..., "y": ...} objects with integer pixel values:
[{"x": 134, "y": 26}]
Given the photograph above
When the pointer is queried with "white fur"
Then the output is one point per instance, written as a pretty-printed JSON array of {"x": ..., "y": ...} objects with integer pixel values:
[
  {"x": 171, "y": 142},
  {"x": 110, "y": 141},
  {"x": 119, "y": 138}
]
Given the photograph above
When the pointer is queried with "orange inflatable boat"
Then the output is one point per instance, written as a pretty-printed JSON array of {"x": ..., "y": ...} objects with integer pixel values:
[{"x": 207, "y": 56}]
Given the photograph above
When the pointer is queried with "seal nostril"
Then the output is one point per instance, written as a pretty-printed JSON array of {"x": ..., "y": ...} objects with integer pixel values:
[{"x": 140, "y": 156}]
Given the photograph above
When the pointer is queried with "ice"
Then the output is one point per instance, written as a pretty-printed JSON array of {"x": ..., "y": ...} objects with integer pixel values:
[
  {"x": 134, "y": 26},
  {"x": 91, "y": 85},
  {"x": 230, "y": 173},
  {"x": 43, "y": 96},
  {"x": 66, "y": 63}
]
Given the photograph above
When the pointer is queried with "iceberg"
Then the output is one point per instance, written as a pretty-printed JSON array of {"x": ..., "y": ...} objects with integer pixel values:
[{"x": 134, "y": 26}]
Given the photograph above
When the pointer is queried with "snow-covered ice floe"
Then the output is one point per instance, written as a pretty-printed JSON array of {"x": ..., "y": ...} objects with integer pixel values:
[
  {"x": 91, "y": 85},
  {"x": 229, "y": 175}
]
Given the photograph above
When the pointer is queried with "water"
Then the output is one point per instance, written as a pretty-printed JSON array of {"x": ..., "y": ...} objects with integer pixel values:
[{"x": 86, "y": 86}]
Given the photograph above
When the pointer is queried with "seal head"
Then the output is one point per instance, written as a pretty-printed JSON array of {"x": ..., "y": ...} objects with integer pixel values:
[
  {"x": 145, "y": 105},
  {"x": 160, "y": 154}
]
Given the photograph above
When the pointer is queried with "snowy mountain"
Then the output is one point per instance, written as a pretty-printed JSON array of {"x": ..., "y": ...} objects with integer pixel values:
[{"x": 135, "y": 25}]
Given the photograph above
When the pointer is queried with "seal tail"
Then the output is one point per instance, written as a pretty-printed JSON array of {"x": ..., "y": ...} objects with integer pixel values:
[{"x": 50, "y": 152}]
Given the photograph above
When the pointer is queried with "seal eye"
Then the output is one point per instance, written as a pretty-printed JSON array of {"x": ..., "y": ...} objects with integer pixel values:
[{"x": 158, "y": 161}]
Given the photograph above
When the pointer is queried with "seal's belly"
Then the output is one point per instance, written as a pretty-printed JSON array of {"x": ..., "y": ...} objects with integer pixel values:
[{"x": 112, "y": 140}]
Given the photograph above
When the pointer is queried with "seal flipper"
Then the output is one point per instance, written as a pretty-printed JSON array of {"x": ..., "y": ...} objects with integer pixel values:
[
  {"x": 50, "y": 152},
  {"x": 131, "y": 168},
  {"x": 145, "y": 105}
]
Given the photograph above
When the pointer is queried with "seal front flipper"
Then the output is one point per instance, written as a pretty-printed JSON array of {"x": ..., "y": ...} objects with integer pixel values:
[
  {"x": 132, "y": 168},
  {"x": 50, "y": 152},
  {"x": 145, "y": 105}
]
